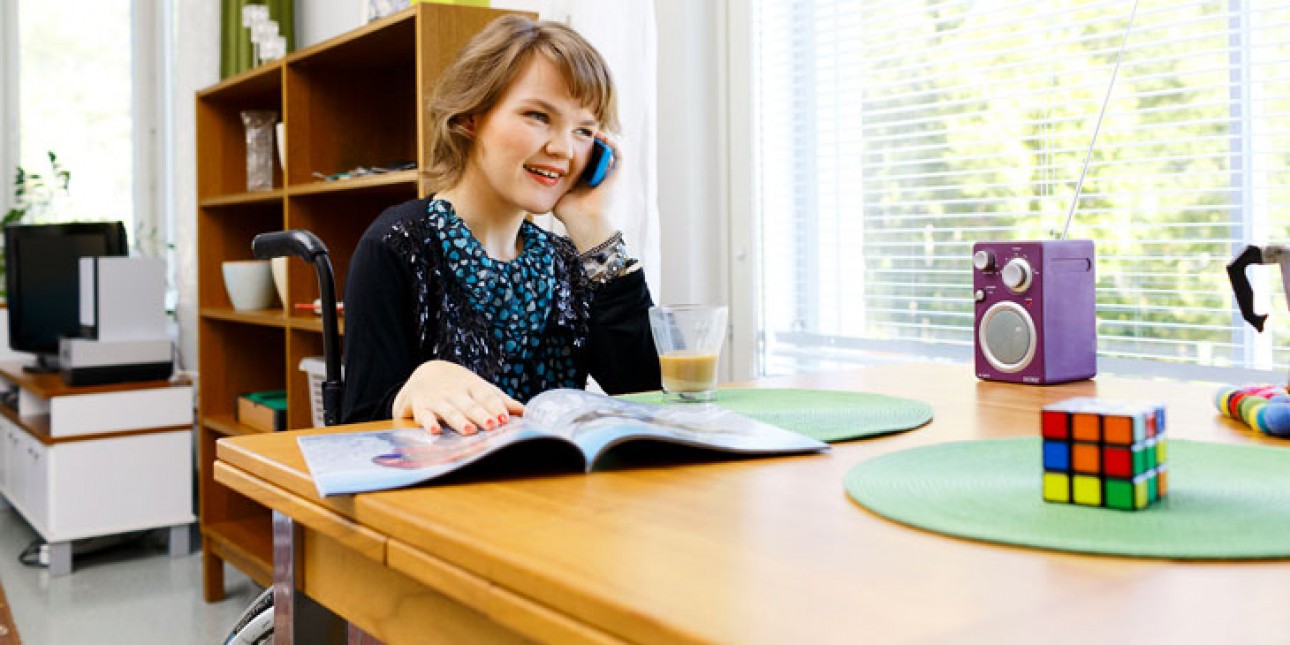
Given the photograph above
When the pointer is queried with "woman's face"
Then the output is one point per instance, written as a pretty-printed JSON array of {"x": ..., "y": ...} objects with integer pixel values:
[{"x": 531, "y": 147}]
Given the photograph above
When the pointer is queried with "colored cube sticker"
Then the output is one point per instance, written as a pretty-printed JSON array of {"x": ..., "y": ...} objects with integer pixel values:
[
  {"x": 1104, "y": 453},
  {"x": 1055, "y": 426},
  {"x": 1141, "y": 496},
  {"x": 1117, "y": 461},
  {"x": 1057, "y": 456},
  {"x": 1086, "y": 490},
  {"x": 1057, "y": 487},
  {"x": 1086, "y": 427},
  {"x": 1119, "y": 494},
  {"x": 1119, "y": 430},
  {"x": 1085, "y": 458},
  {"x": 1139, "y": 458}
]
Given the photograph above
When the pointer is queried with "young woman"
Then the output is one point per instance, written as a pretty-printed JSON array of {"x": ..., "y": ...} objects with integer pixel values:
[{"x": 457, "y": 308}]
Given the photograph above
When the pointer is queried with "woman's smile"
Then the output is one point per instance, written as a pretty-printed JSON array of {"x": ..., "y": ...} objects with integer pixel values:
[{"x": 545, "y": 175}]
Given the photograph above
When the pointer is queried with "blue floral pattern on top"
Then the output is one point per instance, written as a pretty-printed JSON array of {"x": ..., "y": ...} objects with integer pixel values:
[{"x": 514, "y": 299}]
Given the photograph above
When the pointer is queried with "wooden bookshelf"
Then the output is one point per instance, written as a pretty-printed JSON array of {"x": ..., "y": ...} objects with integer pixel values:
[{"x": 353, "y": 101}]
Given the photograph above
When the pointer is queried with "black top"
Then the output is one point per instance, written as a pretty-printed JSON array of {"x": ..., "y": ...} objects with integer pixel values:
[{"x": 406, "y": 302}]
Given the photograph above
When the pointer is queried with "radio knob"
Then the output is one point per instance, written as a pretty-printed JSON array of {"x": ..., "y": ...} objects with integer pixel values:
[
  {"x": 1016, "y": 275},
  {"x": 983, "y": 260}
]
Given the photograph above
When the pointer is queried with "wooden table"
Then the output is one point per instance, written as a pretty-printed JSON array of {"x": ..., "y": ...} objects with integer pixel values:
[{"x": 765, "y": 550}]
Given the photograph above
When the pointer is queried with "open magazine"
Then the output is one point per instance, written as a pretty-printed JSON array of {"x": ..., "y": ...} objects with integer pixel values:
[{"x": 594, "y": 423}]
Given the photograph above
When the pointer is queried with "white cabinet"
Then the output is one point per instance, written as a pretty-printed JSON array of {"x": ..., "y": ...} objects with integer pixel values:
[
  {"x": 7, "y": 438},
  {"x": 76, "y": 483},
  {"x": 32, "y": 469},
  {"x": 26, "y": 476}
]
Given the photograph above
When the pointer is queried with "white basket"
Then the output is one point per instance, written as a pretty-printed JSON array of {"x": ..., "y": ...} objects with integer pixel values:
[{"x": 316, "y": 369}]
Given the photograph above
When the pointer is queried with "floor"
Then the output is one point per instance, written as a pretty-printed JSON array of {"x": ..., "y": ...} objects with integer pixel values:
[{"x": 127, "y": 592}]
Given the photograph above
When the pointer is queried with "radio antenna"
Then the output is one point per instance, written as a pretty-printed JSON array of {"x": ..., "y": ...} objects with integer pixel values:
[{"x": 1097, "y": 127}]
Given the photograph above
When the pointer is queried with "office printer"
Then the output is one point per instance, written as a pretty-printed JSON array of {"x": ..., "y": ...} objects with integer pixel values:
[{"x": 123, "y": 323}]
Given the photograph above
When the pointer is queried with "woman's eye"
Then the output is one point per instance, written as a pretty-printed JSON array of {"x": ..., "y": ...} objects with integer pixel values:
[
  {"x": 540, "y": 117},
  {"x": 585, "y": 133}
]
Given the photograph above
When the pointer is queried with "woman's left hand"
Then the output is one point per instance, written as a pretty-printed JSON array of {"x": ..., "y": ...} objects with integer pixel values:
[{"x": 584, "y": 210}]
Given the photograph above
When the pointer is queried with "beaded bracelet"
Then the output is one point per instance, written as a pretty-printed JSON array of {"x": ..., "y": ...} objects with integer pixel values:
[
  {"x": 603, "y": 246},
  {"x": 607, "y": 260}
]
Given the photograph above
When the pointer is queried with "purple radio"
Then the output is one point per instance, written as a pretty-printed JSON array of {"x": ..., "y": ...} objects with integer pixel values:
[{"x": 1035, "y": 311}]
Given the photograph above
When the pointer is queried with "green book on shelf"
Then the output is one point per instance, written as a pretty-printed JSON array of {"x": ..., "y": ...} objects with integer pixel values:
[{"x": 265, "y": 411}]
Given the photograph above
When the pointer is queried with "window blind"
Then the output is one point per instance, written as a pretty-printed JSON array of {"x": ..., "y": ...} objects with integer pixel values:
[{"x": 891, "y": 136}]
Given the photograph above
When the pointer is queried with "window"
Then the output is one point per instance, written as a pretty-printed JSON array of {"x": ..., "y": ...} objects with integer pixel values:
[
  {"x": 75, "y": 95},
  {"x": 892, "y": 135}
]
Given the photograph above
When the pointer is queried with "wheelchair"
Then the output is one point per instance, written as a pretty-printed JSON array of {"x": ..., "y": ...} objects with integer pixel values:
[{"x": 255, "y": 625}]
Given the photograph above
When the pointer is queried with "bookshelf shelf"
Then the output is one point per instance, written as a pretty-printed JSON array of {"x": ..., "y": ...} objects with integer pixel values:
[
  {"x": 249, "y": 85},
  {"x": 266, "y": 317},
  {"x": 241, "y": 199},
  {"x": 381, "y": 183},
  {"x": 227, "y": 425},
  {"x": 246, "y": 543},
  {"x": 312, "y": 324}
]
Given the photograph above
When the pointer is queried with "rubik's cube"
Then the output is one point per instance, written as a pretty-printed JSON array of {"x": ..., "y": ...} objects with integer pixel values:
[{"x": 1104, "y": 453}]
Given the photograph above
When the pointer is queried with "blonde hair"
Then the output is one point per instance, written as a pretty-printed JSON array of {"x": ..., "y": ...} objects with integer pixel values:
[{"x": 486, "y": 67}]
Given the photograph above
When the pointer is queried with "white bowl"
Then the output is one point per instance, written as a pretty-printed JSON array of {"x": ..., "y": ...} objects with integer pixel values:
[
  {"x": 249, "y": 284},
  {"x": 279, "y": 266}
]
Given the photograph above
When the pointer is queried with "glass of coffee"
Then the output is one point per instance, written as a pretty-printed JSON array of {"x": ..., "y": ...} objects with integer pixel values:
[{"x": 688, "y": 339}]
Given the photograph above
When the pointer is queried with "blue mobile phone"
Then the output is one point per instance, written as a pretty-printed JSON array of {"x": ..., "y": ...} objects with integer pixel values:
[{"x": 602, "y": 156}]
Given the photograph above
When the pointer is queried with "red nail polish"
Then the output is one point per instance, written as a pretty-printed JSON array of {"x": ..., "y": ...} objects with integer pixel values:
[
  {"x": 469, "y": 428},
  {"x": 501, "y": 418},
  {"x": 491, "y": 424}
]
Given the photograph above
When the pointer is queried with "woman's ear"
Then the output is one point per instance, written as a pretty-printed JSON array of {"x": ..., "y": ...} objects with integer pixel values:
[{"x": 468, "y": 124}]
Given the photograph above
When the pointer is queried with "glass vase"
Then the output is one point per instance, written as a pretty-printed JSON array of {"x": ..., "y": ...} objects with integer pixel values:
[{"x": 259, "y": 148}]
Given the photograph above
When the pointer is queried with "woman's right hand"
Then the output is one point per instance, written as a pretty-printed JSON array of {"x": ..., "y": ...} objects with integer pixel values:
[{"x": 440, "y": 393}]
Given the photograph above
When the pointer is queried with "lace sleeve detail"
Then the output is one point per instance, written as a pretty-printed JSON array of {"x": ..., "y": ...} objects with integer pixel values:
[
  {"x": 445, "y": 330},
  {"x": 573, "y": 293}
]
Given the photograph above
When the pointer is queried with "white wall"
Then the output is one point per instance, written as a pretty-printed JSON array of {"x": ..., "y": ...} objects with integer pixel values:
[
  {"x": 8, "y": 134},
  {"x": 8, "y": 99},
  {"x": 703, "y": 220},
  {"x": 195, "y": 48},
  {"x": 689, "y": 178},
  {"x": 318, "y": 20}
]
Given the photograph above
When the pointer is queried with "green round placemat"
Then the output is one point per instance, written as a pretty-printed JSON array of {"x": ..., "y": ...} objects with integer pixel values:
[
  {"x": 1224, "y": 501},
  {"x": 824, "y": 415}
]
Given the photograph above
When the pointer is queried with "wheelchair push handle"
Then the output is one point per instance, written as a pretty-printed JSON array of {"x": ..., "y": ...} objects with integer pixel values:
[
  {"x": 302, "y": 244},
  {"x": 306, "y": 246}
]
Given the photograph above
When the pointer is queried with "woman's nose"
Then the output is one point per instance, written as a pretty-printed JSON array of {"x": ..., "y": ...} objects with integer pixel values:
[{"x": 560, "y": 146}]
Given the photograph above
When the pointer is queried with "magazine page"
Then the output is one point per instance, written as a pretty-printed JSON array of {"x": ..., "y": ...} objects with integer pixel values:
[
  {"x": 595, "y": 423},
  {"x": 367, "y": 461}
]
